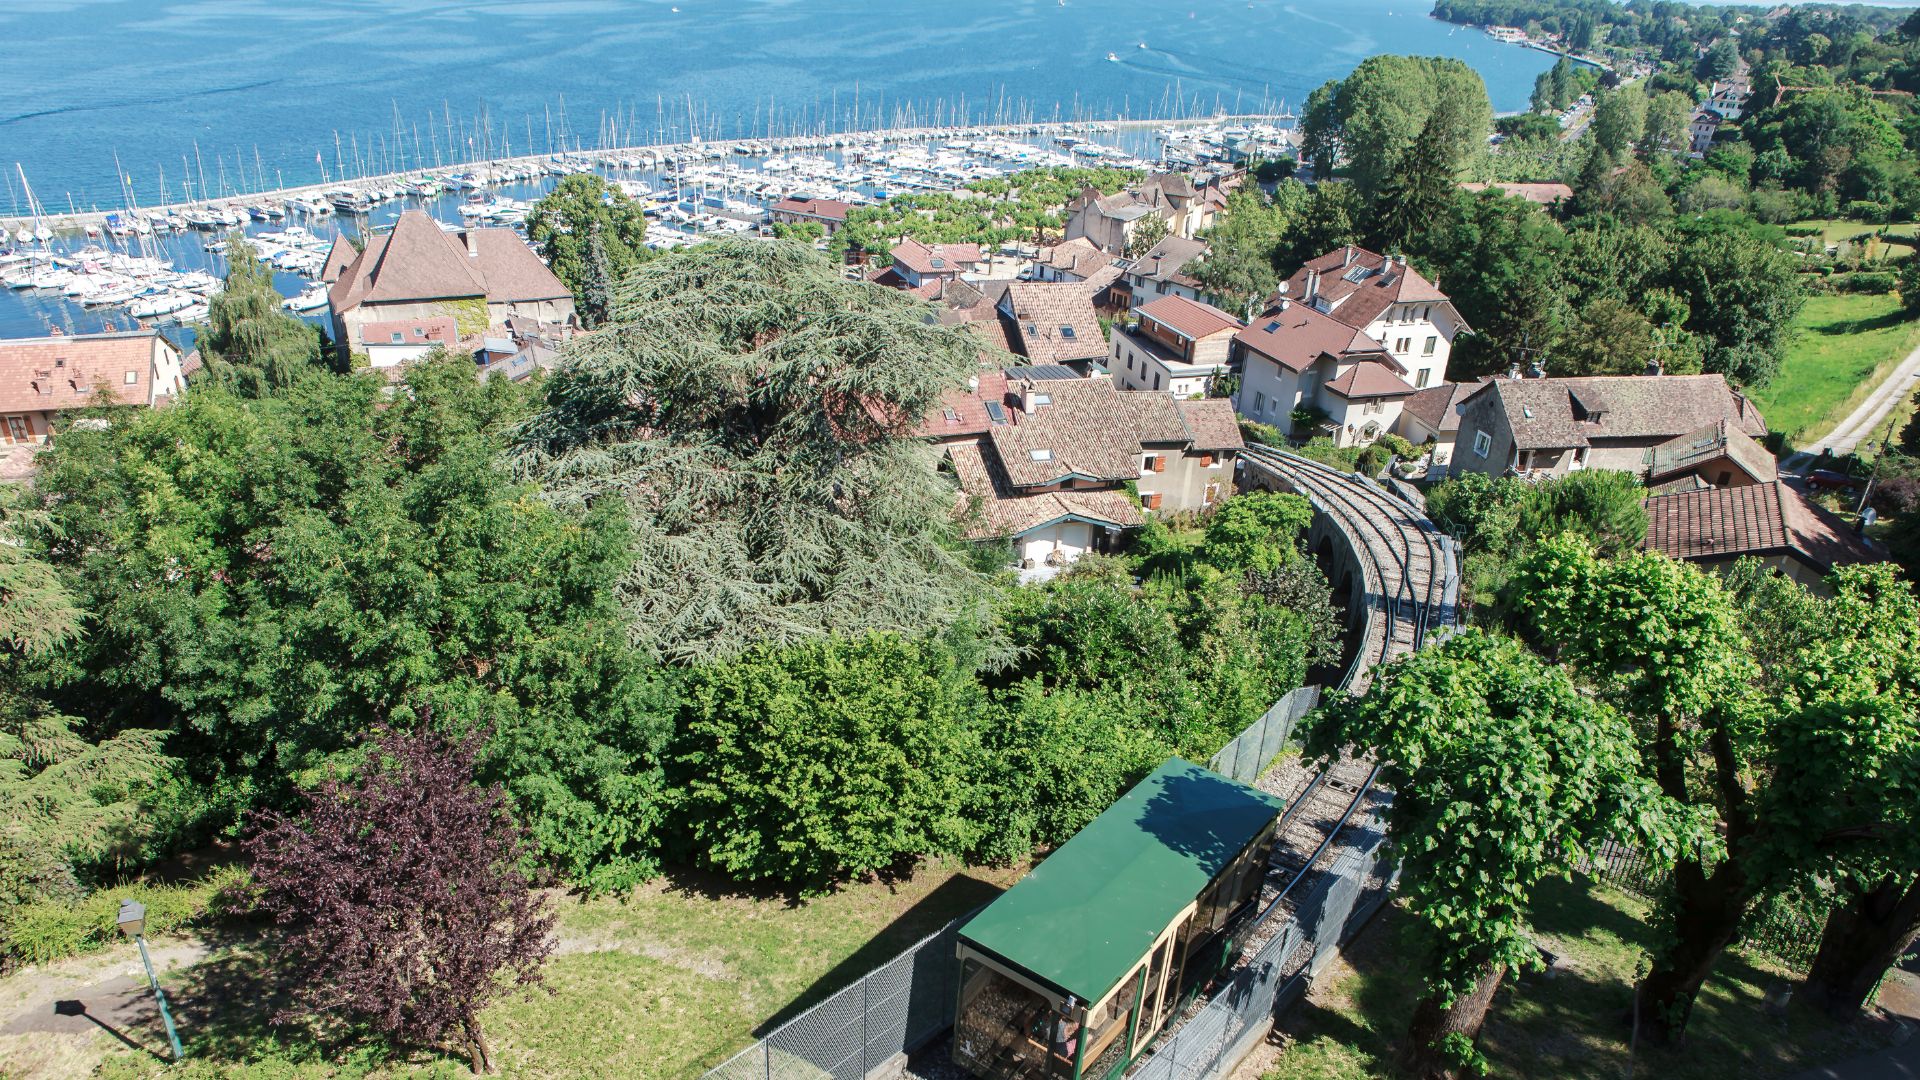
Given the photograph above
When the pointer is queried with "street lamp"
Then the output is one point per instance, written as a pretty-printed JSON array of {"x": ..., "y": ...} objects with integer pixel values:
[{"x": 132, "y": 922}]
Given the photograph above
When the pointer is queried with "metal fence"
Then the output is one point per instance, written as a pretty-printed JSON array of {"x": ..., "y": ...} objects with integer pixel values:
[
  {"x": 1775, "y": 926},
  {"x": 1251, "y": 751},
  {"x": 890, "y": 1011},
  {"x": 1214, "y": 1040}
]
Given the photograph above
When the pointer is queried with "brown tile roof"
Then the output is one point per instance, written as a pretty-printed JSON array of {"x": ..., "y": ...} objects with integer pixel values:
[
  {"x": 1370, "y": 380},
  {"x": 1295, "y": 335},
  {"x": 937, "y": 259},
  {"x": 1189, "y": 317},
  {"x": 1001, "y": 511},
  {"x": 63, "y": 371},
  {"x": 1082, "y": 430},
  {"x": 1213, "y": 424},
  {"x": 441, "y": 330},
  {"x": 1754, "y": 519},
  {"x": 964, "y": 411},
  {"x": 1078, "y": 256},
  {"x": 831, "y": 209},
  {"x": 1163, "y": 262},
  {"x": 1437, "y": 406},
  {"x": 339, "y": 257},
  {"x": 1552, "y": 413},
  {"x": 1155, "y": 416},
  {"x": 1055, "y": 321},
  {"x": 420, "y": 261},
  {"x": 1383, "y": 283},
  {"x": 1716, "y": 440}
]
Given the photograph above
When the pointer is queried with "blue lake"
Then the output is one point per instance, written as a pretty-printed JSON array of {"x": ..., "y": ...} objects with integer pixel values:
[{"x": 245, "y": 91}]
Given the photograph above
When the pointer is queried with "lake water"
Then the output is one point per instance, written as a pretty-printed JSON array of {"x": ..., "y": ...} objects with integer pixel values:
[{"x": 245, "y": 91}]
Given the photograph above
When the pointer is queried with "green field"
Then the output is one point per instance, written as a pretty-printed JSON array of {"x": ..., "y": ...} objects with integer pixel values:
[
  {"x": 1568, "y": 1024},
  {"x": 665, "y": 983},
  {"x": 1843, "y": 346},
  {"x": 1898, "y": 244}
]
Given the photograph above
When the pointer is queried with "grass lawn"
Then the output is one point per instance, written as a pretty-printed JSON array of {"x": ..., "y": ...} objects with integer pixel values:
[
  {"x": 1570, "y": 1025},
  {"x": 1900, "y": 237},
  {"x": 1843, "y": 346},
  {"x": 666, "y": 983}
]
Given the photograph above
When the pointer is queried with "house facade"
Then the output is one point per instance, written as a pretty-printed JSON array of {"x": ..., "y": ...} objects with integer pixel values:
[
  {"x": 1174, "y": 344},
  {"x": 1297, "y": 357},
  {"x": 1431, "y": 418},
  {"x": 1070, "y": 261},
  {"x": 390, "y": 344},
  {"x": 1550, "y": 427},
  {"x": 1389, "y": 301},
  {"x": 1162, "y": 271},
  {"x": 480, "y": 278},
  {"x": 43, "y": 377},
  {"x": 829, "y": 214}
]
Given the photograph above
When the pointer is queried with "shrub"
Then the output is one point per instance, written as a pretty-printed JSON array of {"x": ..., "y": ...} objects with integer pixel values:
[
  {"x": 1397, "y": 446},
  {"x": 1261, "y": 434},
  {"x": 44, "y": 930},
  {"x": 810, "y": 764},
  {"x": 1876, "y": 282}
]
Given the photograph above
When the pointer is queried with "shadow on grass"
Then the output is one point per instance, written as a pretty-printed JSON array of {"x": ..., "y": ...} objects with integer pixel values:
[
  {"x": 954, "y": 897},
  {"x": 1849, "y": 327}
]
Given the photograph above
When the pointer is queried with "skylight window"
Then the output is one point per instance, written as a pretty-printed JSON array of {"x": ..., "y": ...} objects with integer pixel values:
[
  {"x": 1040, "y": 455},
  {"x": 1526, "y": 411},
  {"x": 1273, "y": 327},
  {"x": 939, "y": 264},
  {"x": 1358, "y": 274},
  {"x": 1067, "y": 332},
  {"x": 996, "y": 412},
  {"x": 1043, "y": 399}
]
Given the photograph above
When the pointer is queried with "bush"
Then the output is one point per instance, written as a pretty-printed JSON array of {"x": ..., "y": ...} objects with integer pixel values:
[
  {"x": 44, "y": 930},
  {"x": 1877, "y": 282},
  {"x": 1261, "y": 434},
  {"x": 810, "y": 764},
  {"x": 1398, "y": 446},
  {"x": 1803, "y": 230}
]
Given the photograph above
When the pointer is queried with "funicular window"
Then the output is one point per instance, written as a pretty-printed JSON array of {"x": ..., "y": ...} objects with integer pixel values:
[{"x": 1008, "y": 1029}]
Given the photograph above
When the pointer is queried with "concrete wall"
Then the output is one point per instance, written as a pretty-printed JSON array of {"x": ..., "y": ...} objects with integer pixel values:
[
  {"x": 1068, "y": 539},
  {"x": 1188, "y": 484}
]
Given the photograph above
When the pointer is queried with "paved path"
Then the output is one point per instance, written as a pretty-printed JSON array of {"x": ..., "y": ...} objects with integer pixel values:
[
  {"x": 1900, "y": 997},
  {"x": 1863, "y": 424}
]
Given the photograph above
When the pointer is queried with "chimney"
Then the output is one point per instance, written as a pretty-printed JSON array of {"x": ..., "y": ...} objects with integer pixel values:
[
  {"x": 1347, "y": 258},
  {"x": 473, "y": 243},
  {"x": 1514, "y": 371},
  {"x": 973, "y": 383},
  {"x": 1313, "y": 286}
]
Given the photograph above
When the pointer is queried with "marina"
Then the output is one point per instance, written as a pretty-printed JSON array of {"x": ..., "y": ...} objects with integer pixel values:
[{"x": 157, "y": 265}]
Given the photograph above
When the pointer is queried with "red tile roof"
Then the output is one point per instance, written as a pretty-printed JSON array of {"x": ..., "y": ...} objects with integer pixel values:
[
  {"x": 1296, "y": 335},
  {"x": 1754, "y": 519},
  {"x": 964, "y": 412},
  {"x": 831, "y": 209},
  {"x": 65, "y": 371},
  {"x": 1370, "y": 380},
  {"x": 420, "y": 261},
  {"x": 441, "y": 330},
  {"x": 1383, "y": 283},
  {"x": 921, "y": 259},
  {"x": 1189, "y": 317}
]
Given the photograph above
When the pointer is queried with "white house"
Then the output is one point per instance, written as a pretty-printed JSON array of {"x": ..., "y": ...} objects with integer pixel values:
[
  {"x": 392, "y": 343},
  {"x": 1175, "y": 344},
  {"x": 1386, "y": 299},
  {"x": 1162, "y": 271}
]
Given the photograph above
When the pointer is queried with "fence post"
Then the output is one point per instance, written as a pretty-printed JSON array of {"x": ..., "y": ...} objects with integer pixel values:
[
  {"x": 864, "y": 1012},
  {"x": 766, "y": 1049}
]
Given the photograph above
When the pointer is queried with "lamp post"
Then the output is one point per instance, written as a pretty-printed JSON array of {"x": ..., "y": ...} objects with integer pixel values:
[{"x": 132, "y": 922}]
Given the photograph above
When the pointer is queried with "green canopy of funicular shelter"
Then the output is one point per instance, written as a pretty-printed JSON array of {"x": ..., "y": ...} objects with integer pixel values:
[{"x": 1084, "y": 917}]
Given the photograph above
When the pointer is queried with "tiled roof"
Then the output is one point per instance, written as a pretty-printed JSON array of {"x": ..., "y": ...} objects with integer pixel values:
[
  {"x": 64, "y": 371},
  {"x": 964, "y": 411},
  {"x": 1295, "y": 335},
  {"x": 937, "y": 259},
  {"x": 1155, "y": 416},
  {"x": 1078, "y": 256},
  {"x": 1055, "y": 321},
  {"x": 1163, "y": 262},
  {"x": 831, "y": 209},
  {"x": 1754, "y": 519},
  {"x": 1438, "y": 406},
  {"x": 339, "y": 257},
  {"x": 1370, "y": 380},
  {"x": 1717, "y": 439},
  {"x": 420, "y": 261},
  {"x": 1080, "y": 431},
  {"x": 1004, "y": 512},
  {"x": 441, "y": 330},
  {"x": 1553, "y": 413},
  {"x": 1382, "y": 283},
  {"x": 1189, "y": 317},
  {"x": 1213, "y": 424}
]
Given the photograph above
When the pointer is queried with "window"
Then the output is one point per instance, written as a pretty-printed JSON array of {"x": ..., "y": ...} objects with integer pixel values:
[
  {"x": 1040, "y": 455},
  {"x": 1259, "y": 403},
  {"x": 1159, "y": 463},
  {"x": 1482, "y": 443},
  {"x": 17, "y": 430},
  {"x": 1156, "y": 380},
  {"x": 1067, "y": 332},
  {"x": 1206, "y": 461},
  {"x": 996, "y": 412},
  {"x": 1374, "y": 407},
  {"x": 398, "y": 337},
  {"x": 1426, "y": 313},
  {"x": 1403, "y": 345},
  {"x": 1148, "y": 461},
  {"x": 1433, "y": 342},
  {"x": 1420, "y": 380},
  {"x": 133, "y": 377}
]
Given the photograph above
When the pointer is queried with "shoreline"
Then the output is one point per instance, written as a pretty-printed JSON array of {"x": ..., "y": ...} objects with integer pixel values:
[{"x": 70, "y": 222}]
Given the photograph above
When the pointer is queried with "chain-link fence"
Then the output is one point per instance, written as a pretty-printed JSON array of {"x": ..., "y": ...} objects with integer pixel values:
[
  {"x": 1214, "y": 1040},
  {"x": 888, "y": 1012},
  {"x": 1786, "y": 928},
  {"x": 1251, "y": 751}
]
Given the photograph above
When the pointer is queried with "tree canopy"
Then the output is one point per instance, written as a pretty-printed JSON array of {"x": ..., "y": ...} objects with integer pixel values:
[{"x": 591, "y": 233}]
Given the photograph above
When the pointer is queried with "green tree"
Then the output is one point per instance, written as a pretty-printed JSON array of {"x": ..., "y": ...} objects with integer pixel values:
[
  {"x": 1619, "y": 120},
  {"x": 1910, "y": 285},
  {"x": 250, "y": 343},
  {"x": 811, "y": 763},
  {"x": 1504, "y": 775},
  {"x": 753, "y": 415},
  {"x": 1664, "y": 128},
  {"x": 1370, "y": 121},
  {"x": 1256, "y": 531},
  {"x": 1242, "y": 245},
  {"x": 1609, "y": 338},
  {"x": 1423, "y": 186},
  {"x": 1151, "y": 230},
  {"x": 583, "y": 212},
  {"x": 1743, "y": 292},
  {"x": 1602, "y": 506}
]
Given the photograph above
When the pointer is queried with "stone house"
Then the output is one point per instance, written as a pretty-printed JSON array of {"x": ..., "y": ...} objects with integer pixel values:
[{"x": 1550, "y": 427}]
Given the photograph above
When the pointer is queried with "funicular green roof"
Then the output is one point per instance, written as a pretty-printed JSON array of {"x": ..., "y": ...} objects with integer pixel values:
[{"x": 1085, "y": 916}]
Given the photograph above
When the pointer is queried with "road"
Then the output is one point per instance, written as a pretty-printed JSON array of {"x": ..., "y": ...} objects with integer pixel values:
[{"x": 1863, "y": 424}]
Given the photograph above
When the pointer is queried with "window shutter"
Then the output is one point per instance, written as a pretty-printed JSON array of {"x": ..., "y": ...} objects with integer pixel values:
[
  {"x": 1153, "y": 502},
  {"x": 1160, "y": 463},
  {"x": 1206, "y": 460}
]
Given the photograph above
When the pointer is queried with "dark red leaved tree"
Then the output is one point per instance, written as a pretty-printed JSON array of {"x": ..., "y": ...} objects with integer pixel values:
[{"x": 400, "y": 896}]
